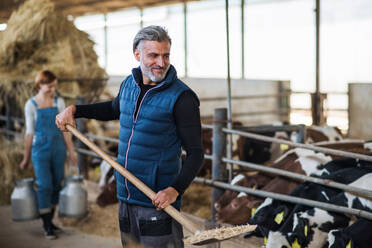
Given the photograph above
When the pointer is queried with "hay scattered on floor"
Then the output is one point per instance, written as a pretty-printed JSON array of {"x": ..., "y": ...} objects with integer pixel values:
[
  {"x": 38, "y": 37},
  {"x": 99, "y": 221},
  {"x": 11, "y": 155},
  {"x": 197, "y": 201}
]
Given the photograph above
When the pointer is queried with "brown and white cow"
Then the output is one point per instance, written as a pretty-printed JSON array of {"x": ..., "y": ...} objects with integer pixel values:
[{"x": 302, "y": 161}]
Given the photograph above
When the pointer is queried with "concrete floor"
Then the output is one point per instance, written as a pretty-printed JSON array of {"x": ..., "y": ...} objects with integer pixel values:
[{"x": 30, "y": 234}]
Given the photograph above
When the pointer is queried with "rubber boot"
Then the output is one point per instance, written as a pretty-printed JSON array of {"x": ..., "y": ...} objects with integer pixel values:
[
  {"x": 47, "y": 224},
  {"x": 54, "y": 227}
]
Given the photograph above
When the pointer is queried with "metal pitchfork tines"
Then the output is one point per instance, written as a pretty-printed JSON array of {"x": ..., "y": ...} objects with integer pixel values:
[{"x": 200, "y": 237}]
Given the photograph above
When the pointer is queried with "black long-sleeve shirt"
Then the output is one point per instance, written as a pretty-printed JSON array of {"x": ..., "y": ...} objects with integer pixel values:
[{"x": 187, "y": 118}]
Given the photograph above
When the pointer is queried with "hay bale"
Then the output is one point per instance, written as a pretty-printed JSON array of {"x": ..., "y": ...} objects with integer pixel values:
[
  {"x": 37, "y": 38},
  {"x": 11, "y": 155}
]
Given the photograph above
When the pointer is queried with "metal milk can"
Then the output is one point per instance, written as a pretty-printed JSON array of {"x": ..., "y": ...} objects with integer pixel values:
[
  {"x": 73, "y": 198},
  {"x": 23, "y": 200}
]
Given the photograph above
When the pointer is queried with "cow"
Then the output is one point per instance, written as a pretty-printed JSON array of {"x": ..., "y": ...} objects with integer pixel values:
[
  {"x": 354, "y": 236},
  {"x": 322, "y": 133},
  {"x": 253, "y": 180},
  {"x": 257, "y": 151},
  {"x": 299, "y": 160},
  {"x": 107, "y": 185},
  {"x": 310, "y": 227}
]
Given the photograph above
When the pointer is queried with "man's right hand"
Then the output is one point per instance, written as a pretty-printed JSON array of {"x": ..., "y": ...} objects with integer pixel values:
[{"x": 66, "y": 117}]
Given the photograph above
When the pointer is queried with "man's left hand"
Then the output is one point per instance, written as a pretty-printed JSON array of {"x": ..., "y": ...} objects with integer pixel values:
[{"x": 164, "y": 198}]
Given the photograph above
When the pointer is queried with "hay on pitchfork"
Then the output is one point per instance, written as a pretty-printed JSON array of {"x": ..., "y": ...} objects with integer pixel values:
[{"x": 37, "y": 38}]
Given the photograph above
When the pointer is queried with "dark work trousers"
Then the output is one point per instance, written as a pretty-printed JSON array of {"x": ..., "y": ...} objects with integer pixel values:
[{"x": 149, "y": 227}]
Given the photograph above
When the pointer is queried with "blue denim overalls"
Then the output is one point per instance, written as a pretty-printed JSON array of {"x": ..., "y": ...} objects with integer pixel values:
[{"x": 48, "y": 157}]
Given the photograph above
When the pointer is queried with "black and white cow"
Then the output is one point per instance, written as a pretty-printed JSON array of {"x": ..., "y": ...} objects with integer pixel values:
[{"x": 356, "y": 235}]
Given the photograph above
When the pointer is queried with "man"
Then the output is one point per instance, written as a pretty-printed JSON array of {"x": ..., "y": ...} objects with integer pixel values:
[{"x": 158, "y": 114}]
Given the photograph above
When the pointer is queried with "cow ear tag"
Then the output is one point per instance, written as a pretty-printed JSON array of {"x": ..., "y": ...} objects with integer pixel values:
[
  {"x": 279, "y": 217},
  {"x": 305, "y": 230},
  {"x": 253, "y": 210},
  {"x": 295, "y": 244},
  {"x": 265, "y": 240},
  {"x": 348, "y": 244},
  {"x": 284, "y": 147}
]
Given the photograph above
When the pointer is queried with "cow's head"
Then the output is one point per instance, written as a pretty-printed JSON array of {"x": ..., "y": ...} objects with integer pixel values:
[
  {"x": 238, "y": 211},
  {"x": 270, "y": 214},
  {"x": 302, "y": 233},
  {"x": 336, "y": 238}
]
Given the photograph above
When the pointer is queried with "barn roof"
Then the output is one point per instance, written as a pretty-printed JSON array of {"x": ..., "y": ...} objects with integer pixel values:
[{"x": 82, "y": 7}]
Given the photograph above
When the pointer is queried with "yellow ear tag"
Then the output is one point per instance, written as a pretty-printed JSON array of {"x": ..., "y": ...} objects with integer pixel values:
[
  {"x": 305, "y": 231},
  {"x": 279, "y": 217},
  {"x": 348, "y": 244},
  {"x": 253, "y": 210},
  {"x": 265, "y": 240},
  {"x": 284, "y": 147},
  {"x": 255, "y": 186},
  {"x": 295, "y": 244}
]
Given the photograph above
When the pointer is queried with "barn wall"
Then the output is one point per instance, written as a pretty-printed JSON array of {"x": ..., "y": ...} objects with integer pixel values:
[{"x": 360, "y": 110}]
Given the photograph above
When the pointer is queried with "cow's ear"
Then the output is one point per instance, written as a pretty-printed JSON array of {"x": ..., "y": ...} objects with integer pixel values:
[
  {"x": 295, "y": 244},
  {"x": 281, "y": 213},
  {"x": 279, "y": 217}
]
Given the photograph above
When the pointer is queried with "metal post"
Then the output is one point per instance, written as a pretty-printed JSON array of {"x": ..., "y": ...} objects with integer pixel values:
[
  {"x": 9, "y": 120},
  {"x": 219, "y": 171},
  {"x": 242, "y": 33},
  {"x": 229, "y": 111},
  {"x": 82, "y": 159},
  {"x": 105, "y": 37},
  {"x": 316, "y": 111},
  {"x": 185, "y": 34},
  {"x": 141, "y": 17},
  {"x": 301, "y": 138}
]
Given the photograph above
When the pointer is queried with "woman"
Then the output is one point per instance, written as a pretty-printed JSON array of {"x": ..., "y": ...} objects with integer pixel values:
[{"x": 47, "y": 146}]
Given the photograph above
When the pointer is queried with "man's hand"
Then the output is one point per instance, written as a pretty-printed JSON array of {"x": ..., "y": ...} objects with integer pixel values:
[
  {"x": 66, "y": 117},
  {"x": 164, "y": 198}
]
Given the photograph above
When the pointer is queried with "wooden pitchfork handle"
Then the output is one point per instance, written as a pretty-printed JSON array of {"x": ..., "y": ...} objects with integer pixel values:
[{"x": 174, "y": 213}]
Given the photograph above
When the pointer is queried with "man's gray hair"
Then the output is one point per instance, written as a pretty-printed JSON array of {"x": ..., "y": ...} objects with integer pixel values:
[{"x": 152, "y": 32}]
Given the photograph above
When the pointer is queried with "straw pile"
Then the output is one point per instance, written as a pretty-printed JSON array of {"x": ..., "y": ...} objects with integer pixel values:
[
  {"x": 11, "y": 155},
  {"x": 37, "y": 38}
]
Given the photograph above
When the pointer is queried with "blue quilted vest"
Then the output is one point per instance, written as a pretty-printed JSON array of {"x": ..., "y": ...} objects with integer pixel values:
[{"x": 149, "y": 146}]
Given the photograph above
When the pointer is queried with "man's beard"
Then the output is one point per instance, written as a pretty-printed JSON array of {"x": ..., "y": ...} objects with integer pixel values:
[{"x": 148, "y": 72}]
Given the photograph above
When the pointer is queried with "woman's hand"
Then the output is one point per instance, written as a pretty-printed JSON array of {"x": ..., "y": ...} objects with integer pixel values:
[
  {"x": 72, "y": 157},
  {"x": 24, "y": 164},
  {"x": 66, "y": 117}
]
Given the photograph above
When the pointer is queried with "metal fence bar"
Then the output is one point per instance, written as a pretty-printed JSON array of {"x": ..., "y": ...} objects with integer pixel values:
[
  {"x": 291, "y": 199},
  {"x": 351, "y": 189},
  {"x": 206, "y": 99},
  {"x": 93, "y": 136},
  {"x": 207, "y": 126},
  {"x": 305, "y": 146},
  {"x": 270, "y": 128},
  {"x": 87, "y": 152},
  {"x": 9, "y": 132},
  {"x": 4, "y": 118}
]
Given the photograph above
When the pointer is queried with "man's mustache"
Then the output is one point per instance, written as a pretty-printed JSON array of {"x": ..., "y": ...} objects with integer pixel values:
[{"x": 158, "y": 67}]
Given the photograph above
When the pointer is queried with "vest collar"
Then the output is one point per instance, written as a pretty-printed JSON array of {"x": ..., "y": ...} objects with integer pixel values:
[{"x": 167, "y": 81}]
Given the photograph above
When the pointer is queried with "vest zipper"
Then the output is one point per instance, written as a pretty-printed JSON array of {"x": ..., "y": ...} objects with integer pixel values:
[{"x": 131, "y": 135}]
